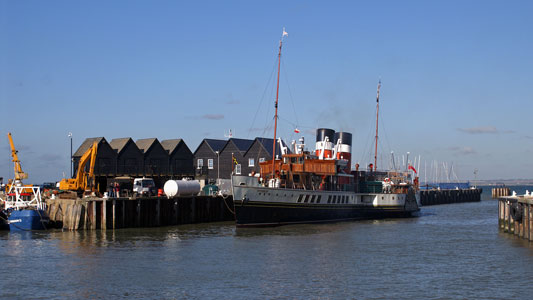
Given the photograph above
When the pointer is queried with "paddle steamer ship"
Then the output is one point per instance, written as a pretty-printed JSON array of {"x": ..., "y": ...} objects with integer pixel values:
[{"x": 304, "y": 187}]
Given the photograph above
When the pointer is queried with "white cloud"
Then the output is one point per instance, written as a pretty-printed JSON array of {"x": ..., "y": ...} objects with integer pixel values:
[
  {"x": 463, "y": 150},
  {"x": 480, "y": 130},
  {"x": 213, "y": 117}
]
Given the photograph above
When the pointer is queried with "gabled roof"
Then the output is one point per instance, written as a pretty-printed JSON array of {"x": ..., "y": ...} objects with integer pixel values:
[
  {"x": 86, "y": 145},
  {"x": 171, "y": 145},
  {"x": 266, "y": 143},
  {"x": 242, "y": 144},
  {"x": 145, "y": 144},
  {"x": 215, "y": 145},
  {"x": 119, "y": 144}
]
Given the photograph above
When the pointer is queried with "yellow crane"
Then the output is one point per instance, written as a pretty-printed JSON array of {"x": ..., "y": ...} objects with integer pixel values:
[
  {"x": 19, "y": 174},
  {"x": 83, "y": 179}
]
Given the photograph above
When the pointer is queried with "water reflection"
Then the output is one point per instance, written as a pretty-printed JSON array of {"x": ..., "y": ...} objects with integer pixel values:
[{"x": 454, "y": 251}]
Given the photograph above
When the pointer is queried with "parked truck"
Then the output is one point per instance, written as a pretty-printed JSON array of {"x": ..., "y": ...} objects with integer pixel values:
[{"x": 144, "y": 186}]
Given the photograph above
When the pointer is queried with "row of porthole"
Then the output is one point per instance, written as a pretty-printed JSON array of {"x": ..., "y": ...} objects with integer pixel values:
[
  {"x": 341, "y": 199},
  {"x": 382, "y": 197}
]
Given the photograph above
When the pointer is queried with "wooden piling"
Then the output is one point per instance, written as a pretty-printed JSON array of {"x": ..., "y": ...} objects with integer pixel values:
[
  {"x": 521, "y": 227},
  {"x": 104, "y": 215},
  {"x": 158, "y": 212},
  {"x": 114, "y": 213},
  {"x": 436, "y": 197}
]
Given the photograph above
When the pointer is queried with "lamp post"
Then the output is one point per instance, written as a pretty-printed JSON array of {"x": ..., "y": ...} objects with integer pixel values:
[
  {"x": 71, "y": 162},
  {"x": 218, "y": 165}
]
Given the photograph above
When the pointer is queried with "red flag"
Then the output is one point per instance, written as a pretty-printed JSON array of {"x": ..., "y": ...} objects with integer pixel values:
[
  {"x": 297, "y": 130},
  {"x": 412, "y": 168}
]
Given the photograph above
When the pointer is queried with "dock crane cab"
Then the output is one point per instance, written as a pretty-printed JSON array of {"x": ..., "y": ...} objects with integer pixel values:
[{"x": 84, "y": 180}]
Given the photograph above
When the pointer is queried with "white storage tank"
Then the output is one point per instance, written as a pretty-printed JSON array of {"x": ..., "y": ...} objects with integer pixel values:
[{"x": 181, "y": 188}]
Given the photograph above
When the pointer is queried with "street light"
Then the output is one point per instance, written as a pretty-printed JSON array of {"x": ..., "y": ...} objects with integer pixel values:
[
  {"x": 218, "y": 165},
  {"x": 71, "y": 161}
]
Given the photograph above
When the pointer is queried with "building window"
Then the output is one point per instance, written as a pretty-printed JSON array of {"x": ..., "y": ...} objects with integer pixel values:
[
  {"x": 262, "y": 159},
  {"x": 210, "y": 163},
  {"x": 251, "y": 162},
  {"x": 200, "y": 163},
  {"x": 238, "y": 169}
]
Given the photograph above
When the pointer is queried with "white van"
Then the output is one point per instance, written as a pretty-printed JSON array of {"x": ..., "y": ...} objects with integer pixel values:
[{"x": 144, "y": 186}]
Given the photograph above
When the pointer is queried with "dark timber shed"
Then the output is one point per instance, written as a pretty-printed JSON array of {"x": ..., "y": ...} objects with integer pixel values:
[
  {"x": 106, "y": 157},
  {"x": 129, "y": 157},
  {"x": 206, "y": 158},
  {"x": 260, "y": 150},
  {"x": 155, "y": 157},
  {"x": 234, "y": 150},
  {"x": 180, "y": 158}
]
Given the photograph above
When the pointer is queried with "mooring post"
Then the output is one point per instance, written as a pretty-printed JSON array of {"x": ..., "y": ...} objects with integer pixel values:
[
  {"x": 104, "y": 215},
  {"x": 500, "y": 214},
  {"x": 530, "y": 221},
  {"x": 158, "y": 212},
  {"x": 175, "y": 212},
  {"x": 123, "y": 213},
  {"x": 114, "y": 212},
  {"x": 193, "y": 209},
  {"x": 78, "y": 216},
  {"x": 525, "y": 221},
  {"x": 93, "y": 217},
  {"x": 221, "y": 208},
  {"x": 507, "y": 222},
  {"x": 138, "y": 217},
  {"x": 520, "y": 226}
]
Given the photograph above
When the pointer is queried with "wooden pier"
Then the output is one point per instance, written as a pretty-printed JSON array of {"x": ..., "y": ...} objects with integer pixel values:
[
  {"x": 500, "y": 192},
  {"x": 113, "y": 213},
  {"x": 515, "y": 216},
  {"x": 436, "y": 197}
]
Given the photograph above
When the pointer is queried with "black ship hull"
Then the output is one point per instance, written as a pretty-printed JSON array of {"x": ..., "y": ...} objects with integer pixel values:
[{"x": 262, "y": 214}]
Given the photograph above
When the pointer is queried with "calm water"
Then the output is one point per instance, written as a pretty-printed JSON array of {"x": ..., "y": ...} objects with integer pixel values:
[{"x": 450, "y": 252}]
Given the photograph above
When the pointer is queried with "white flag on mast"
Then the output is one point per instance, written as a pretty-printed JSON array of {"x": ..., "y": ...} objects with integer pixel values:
[{"x": 284, "y": 33}]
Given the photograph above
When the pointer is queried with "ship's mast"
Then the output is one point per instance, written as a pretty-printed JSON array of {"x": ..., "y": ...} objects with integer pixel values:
[
  {"x": 377, "y": 116},
  {"x": 276, "y": 107}
]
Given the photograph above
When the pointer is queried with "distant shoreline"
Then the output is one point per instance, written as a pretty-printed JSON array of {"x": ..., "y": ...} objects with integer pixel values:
[{"x": 510, "y": 182}]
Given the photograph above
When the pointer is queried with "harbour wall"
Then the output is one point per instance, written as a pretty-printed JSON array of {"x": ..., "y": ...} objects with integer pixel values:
[
  {"x": 114, "y": 213},
  {"x": 515, "y": 216},
  {"x": 436, "y": 197}
]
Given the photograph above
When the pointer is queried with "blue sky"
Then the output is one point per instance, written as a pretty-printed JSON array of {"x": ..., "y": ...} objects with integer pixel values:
[{"x": 456, "y": 77}]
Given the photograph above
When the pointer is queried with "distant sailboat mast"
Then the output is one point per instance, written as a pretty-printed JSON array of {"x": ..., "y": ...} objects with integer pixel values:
[
  {"x": 276, "y": 106},
  {"x": 377, "y": 116}
]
